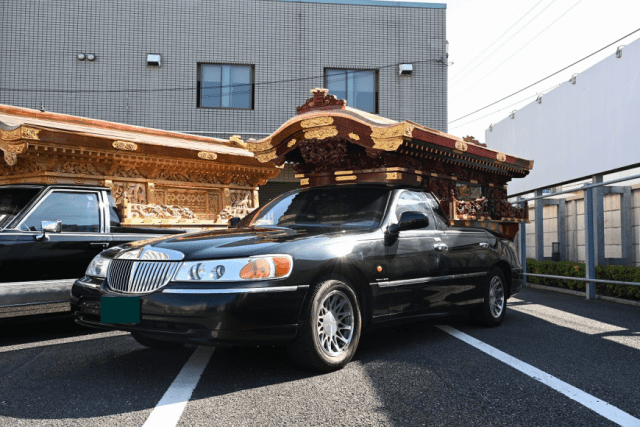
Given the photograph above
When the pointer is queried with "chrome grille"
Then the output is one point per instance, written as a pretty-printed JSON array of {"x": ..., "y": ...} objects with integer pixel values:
[{"x": 137, "y": 277}]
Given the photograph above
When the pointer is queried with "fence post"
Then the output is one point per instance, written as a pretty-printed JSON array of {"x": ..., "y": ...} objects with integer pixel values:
[
  {"x": 590, "y": 261},
  {"x": 523, "y": 245}
]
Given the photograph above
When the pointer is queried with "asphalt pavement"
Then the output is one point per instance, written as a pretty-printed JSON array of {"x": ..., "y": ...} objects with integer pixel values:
[{"x": 56, "y": 373}]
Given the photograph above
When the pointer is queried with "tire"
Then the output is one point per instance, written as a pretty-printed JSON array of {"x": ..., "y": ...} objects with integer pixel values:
[
  {"x": 324, "y": 342},
  {"x": 154, "y": 343},
  {"x": 494, "y": 307}
]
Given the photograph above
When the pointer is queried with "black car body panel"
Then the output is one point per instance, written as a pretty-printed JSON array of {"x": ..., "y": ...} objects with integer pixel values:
[
  {"x": 36, "y": 270},
  {"x": 420, "y": 272}
]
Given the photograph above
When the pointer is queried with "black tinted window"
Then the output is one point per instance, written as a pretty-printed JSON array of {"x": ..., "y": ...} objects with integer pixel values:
[
  {"x": 334, "y": 207},
  {"x": 12, "y": 201},
  {"x": 77, "y": 211},
  {"x": 413, "y": 201}
]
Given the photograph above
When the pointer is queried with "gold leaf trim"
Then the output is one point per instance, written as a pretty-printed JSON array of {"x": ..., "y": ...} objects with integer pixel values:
[
  {"x": 10, "y": 135},
  {"x": 321, "y": 133},
  {"x": 125, "y": 145},
  {"x": 207, "y": 155},
  {"x": 304, "y": 181},
  {"x": 394, "y": 175},
  {"x": 346, "y": 178},
  {"x": 30, "y": 133},
  {"x": 260, "y": 146},
  {"x": 388, "y": 132},
  {"x": 501, "y": 157},
  {"x": 354, "y": 136},
  {"x": 318, "y": 121},
  {"x": 461, "y": 146},
  {"x": 391, "y": 144},
  {"x": 343, "y": 173},
  {"x": 263, "y": 158},
  {"x": 291, "y": 143}
]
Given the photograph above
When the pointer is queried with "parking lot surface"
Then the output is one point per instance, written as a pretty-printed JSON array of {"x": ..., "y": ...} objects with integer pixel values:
[{"x": 556, "y": 360}]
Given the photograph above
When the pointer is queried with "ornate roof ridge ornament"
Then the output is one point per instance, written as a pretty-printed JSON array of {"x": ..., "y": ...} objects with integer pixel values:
[{"x": 321, "y": 100}]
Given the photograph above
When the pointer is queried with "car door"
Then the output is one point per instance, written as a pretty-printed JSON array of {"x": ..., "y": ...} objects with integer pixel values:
[
  {"x": 414, "y": 263},
  {"x": 65, "y": 255}
]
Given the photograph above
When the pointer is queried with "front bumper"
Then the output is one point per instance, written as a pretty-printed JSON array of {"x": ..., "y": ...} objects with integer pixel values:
[{"x": 201, "y": 316}]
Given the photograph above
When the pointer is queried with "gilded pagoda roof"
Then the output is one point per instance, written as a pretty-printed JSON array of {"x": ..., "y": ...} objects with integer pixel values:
[{"x": 324, "y": 117}]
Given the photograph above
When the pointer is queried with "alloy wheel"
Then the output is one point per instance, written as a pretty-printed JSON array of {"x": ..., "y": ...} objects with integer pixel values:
[{"x": 335, "y": 323}]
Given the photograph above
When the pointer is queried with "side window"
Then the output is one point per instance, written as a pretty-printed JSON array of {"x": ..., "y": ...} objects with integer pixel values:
[
  {"x": 79, "y": 212},
  {"x": 414, "y": 201},
  {"x": 438, "y": 213},
  {"x": 114, "y": 217}
]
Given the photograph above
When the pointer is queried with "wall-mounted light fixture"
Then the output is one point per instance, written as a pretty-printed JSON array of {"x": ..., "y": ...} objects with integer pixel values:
[
  {"x": 513, "y": 114},
  {"x": 491, "y": 127},
  {"x": 619, "y": 51},
  {"x": 572, "y": 80},
  {"x": 90, "y": 57},
  {"x": 406, "y": 69},
  {"x": 81, "y": 57},
  {"x": 539, "y": 99},
  {"x": 153, "y": 59}
]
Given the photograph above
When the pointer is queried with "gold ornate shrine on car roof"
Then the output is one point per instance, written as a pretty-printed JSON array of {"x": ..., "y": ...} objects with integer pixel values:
[
  {"x": 330, "y": 143},
  {"x": 158, "y": 178}
]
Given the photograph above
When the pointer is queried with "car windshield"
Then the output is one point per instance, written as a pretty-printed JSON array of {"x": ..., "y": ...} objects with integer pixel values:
[
  {"x": 350, "y": 207},
  {"x": 12, "y": 201}
]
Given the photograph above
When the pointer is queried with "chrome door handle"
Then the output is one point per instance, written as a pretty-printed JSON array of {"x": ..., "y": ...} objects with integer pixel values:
[
  {"x": 484, "y": 245},
  {"x": 440, "y": 247}
]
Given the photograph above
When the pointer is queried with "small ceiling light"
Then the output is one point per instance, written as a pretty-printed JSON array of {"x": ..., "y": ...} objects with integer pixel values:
[
  {"x": 573, "y": 79},
  {"x": 153, "y": 59},
  {"x": 619, "y": 51},
  {"x": 91, "y": 56},
  {"x": 81, "y": 57},
  {"x": 406, "y": 69},
  {"x": 539, "y": 99}
]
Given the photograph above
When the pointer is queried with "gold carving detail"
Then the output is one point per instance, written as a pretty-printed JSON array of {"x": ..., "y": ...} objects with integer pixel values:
[
  {"x": 10, "y": 135},
  {"x": 30, "y": 133},
  {"x": 125, "y": 145},
  {"x": 321, "y": 133},
  {"x": 394, "y": 175},
  {"x": 501, "y": 157},
  {"x": 346, "y": 178},
  {"x": 207, "y": 155},
  {"x": 241, "y": 205},
  {"x": 291, "y": 143},
  {"x": 343, "y": 173},
  {"x": 461, "y": 146},
  {"x": 318, "y": 121},
  {"x": 388, "y": 132},
  {"x": 159, "y": 211},
  {"x": 263, "y": 158},
  {"x": 304, "y": 181},
  {"x": 260, "y": 146},
  {"x": 387, "y": 144},
  {"x": 354, "y": 136}
]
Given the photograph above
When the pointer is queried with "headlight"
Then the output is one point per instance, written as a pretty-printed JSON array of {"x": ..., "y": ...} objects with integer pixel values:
[
  {"x": 265, "y": 267},
  {"x": 98, "y": 267}
]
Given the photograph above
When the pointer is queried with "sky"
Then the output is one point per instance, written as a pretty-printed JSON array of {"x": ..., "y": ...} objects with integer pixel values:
[{"x": 501, "y": 46}]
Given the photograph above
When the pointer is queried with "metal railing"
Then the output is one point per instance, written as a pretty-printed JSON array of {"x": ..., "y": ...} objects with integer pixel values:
[{"x": 590, "y": 261}]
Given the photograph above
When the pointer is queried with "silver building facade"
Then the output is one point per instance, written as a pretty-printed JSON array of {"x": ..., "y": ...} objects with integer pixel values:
[{"x": 222, "y": 67}]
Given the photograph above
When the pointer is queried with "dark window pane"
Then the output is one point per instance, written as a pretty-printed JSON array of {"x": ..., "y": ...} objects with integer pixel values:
[
  {"x": 337, "y": 83},
  {"x": 240, "y": 87},
  {"x": 210, "y": 86},
  {"x": 364, "y": 92},
  {"x": 77, "y": 211},
  {"x": 12, "y": 201}
]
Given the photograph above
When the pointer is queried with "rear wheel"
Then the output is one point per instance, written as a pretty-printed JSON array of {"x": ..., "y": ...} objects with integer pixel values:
[
  {"x": 494, "y": 307},
  {"x": 330, "y": 331},
  {"x": 155, "y": 343}
]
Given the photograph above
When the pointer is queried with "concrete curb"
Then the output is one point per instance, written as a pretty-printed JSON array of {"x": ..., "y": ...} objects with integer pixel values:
[{"x": 582, "y": 294}]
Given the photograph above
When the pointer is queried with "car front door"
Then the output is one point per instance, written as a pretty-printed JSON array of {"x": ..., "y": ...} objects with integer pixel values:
[{"x": 414, "y": 263}]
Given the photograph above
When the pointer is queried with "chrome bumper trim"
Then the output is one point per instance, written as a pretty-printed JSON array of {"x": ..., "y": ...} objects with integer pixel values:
[
  {"x": 231, "y": 290},
  {"x": 428, "y": 279},
  {"x": 87, "y": 285}
]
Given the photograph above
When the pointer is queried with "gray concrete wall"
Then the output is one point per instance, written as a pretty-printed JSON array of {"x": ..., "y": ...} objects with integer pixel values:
[{"x": 283, "y": 40}]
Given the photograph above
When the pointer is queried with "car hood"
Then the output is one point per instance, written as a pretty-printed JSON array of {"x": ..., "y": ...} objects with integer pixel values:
[{"x": 237, "y": 243}]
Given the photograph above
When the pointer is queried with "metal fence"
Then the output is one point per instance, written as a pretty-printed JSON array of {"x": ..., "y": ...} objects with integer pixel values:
[{"x": 594, "y": 241}]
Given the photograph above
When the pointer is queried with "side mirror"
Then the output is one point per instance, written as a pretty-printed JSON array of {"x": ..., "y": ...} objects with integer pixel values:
[
  {"x": 234, "y": 221},
  {"x": 49, "y": 226},
  {"x": 408, "y": 221}
]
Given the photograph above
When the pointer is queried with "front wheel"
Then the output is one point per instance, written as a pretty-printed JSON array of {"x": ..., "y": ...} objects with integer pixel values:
[
  {"x": 494, "y": 307},
  {"x": 330, "y": 328}
]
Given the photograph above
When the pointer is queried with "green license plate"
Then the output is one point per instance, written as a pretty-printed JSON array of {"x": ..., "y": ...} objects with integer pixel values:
[{"x": 120, "y": 310}]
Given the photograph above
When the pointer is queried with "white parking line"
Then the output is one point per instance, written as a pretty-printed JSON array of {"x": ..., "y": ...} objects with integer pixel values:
[
  {"x": 603, "y": 408},
  {"x": 170, "y": 408},
  {"x": 62, "y": 341}
]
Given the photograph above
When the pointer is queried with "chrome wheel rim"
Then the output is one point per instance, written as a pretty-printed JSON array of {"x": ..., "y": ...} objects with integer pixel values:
[
  {"x": 335, "y": 323},
  {"x": 496, "y": 297}
]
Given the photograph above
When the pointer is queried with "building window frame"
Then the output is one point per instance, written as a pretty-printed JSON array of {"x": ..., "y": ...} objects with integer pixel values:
[
  {"x": 376, "y": 84},
  {"x": 251, "y": 83}
]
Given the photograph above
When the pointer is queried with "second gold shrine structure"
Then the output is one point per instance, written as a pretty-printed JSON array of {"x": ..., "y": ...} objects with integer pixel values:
[{"x": 164, "y": 178}]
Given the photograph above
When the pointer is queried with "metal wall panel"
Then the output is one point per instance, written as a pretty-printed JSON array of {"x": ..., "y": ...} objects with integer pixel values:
[{"x": 579, "y": 129}]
